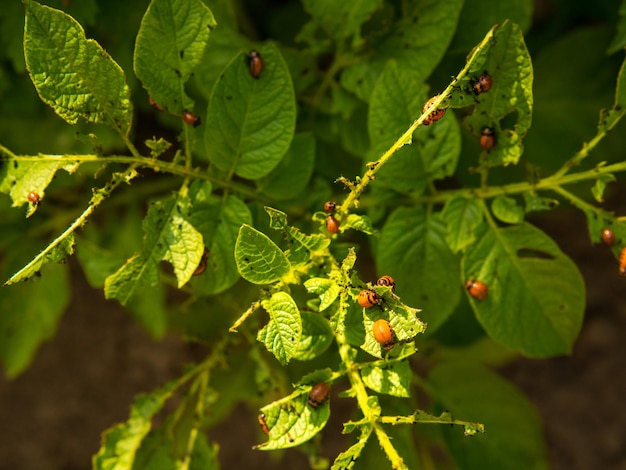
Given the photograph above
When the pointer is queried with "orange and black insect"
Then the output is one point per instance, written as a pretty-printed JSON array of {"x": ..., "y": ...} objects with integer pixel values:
[
  {"x": 330, "y": 206},
  {"x": 34, "y": 198},
  {"x": 154, "y": 104},
  {"x": 319, "y": 394},
  {"x": 435, "y": 115},
  {"x": 477, "y": 289},
  {"x": 622, "y": 262},
  {"x": 263, "y": 424},
  {"x": 482, "y": 84},
  {"x": 332, "y": 224},
  {"x": 387, "y": 281},
  {"x": 487, "y": 138},
  {"x": 191, "y": 119},
  {"x": 203, "y": 263},
  {"x": 608, "y": 237},
  {"x": 255, "y": 62},
  {"x": 368, "y": 298},
  {"x": 384, "y": 334}
]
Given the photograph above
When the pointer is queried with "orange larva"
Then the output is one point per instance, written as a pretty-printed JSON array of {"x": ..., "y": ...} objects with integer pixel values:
[
  {"x": 255, "y": 62},
  {"x": 263, "y": 424},
  {"x": 482, "y": 84},
  {"x": 319, "y": 394},
  {"x": 435, "y": 115},
  {"x": 332, "y": 224},
  {"x": 387, "y": 281},
  {"x": 487, "y": 139},
  {"x": 608, "y": 236},
  {"x": 477, "y": 289},
  {"x": 33, "y": 197},
  {"x": 384, "y": 334},
  {"x": 368, "y": 298},
  {"x": 191, "y": 119},
  {"x": 203, "y": 263},
  {"x": 622, "y": 262}
]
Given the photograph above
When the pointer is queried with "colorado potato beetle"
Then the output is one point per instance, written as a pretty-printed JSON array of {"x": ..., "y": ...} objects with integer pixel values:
[
  {"x": 435, "y": 115},
  {"x": 33, "y": 197},
  {"x": 387, "y": 281},
  {"x": 384, "y": 334},
  {"x": 608, "y": 237},
  {"x": 368, "y": 298},
  {"x": 622, "y": 262},
  {"x": 477, "y": 289},
  {"x": 330, "y": 206},
  {"x": 487, "y": 138},
  {"x": 191, "y": 119},
  {"x": 154, "y": 104},
  {"x": 332, "y": 224},
  {"x": 482, "y": 83},
  {"x": 255, "y": 62},
  {"x": 319, "y": 394}
]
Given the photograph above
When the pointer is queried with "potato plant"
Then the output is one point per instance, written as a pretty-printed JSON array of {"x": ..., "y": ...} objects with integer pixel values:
[{"x": 332, "y": 207}]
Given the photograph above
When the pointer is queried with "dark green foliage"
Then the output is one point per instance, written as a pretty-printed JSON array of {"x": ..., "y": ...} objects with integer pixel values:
[{"x": 336, "y": 114}]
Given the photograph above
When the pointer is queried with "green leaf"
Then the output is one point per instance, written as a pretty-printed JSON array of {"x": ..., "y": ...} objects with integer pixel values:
[
  {"x": 600, "y": 186},
  {"x": 293, "y": 422},
  {"x": 362, "y": 223},
  {"x": 507, "y": 210},
  {"x": 619, "y": 41},
  {"x": 258, "y": 259},
  {"x": 148, "y": 306},
  {"x": 566, "y": 101},
  {"x": 282, "y": 334},
  {"x": 56, "y": 254},
  {"x": 301, "y": 246},
  {"x": 393, "y": 378},
  {"x": 251, "y": 122},
  {"x": 72, "y": 74},
  {"x": 293, "y": 172},
  {"x": 417, "y": 41},
  {"x": 536, "y": 295},
  {"x": 341, "y": 20},
  {"x": 397, "y": 99},
  {"x": 462, "y": 216},
  {"x": 478, "y": 16},
  {"x": 507, "y": 106},
  {"x": 346, "y": 460},
  {"x": 168, "y": 236},
  {"x": 316, "y": 337},
  {"x": 413, "y": 247},
  {"x": 21, "y": 177},
  {"x": 327, "y": 289},
  {"x": 170, "y": 45},
  {"x": 513, "y": 429},
  {"x": 121, "y": 442},
  {"x": 30, "y": 314},
  {"x": 218, "y": 219},
  {"x": 533, "y": 202},
  {"x": 609, "y": 118}
]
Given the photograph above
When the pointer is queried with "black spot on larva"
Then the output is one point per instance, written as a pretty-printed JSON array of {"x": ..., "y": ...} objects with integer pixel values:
[
  {"x": 181, "y": 53},
  {"x": 177, "y": 72},
  {"x": 15, "y": 164}
]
